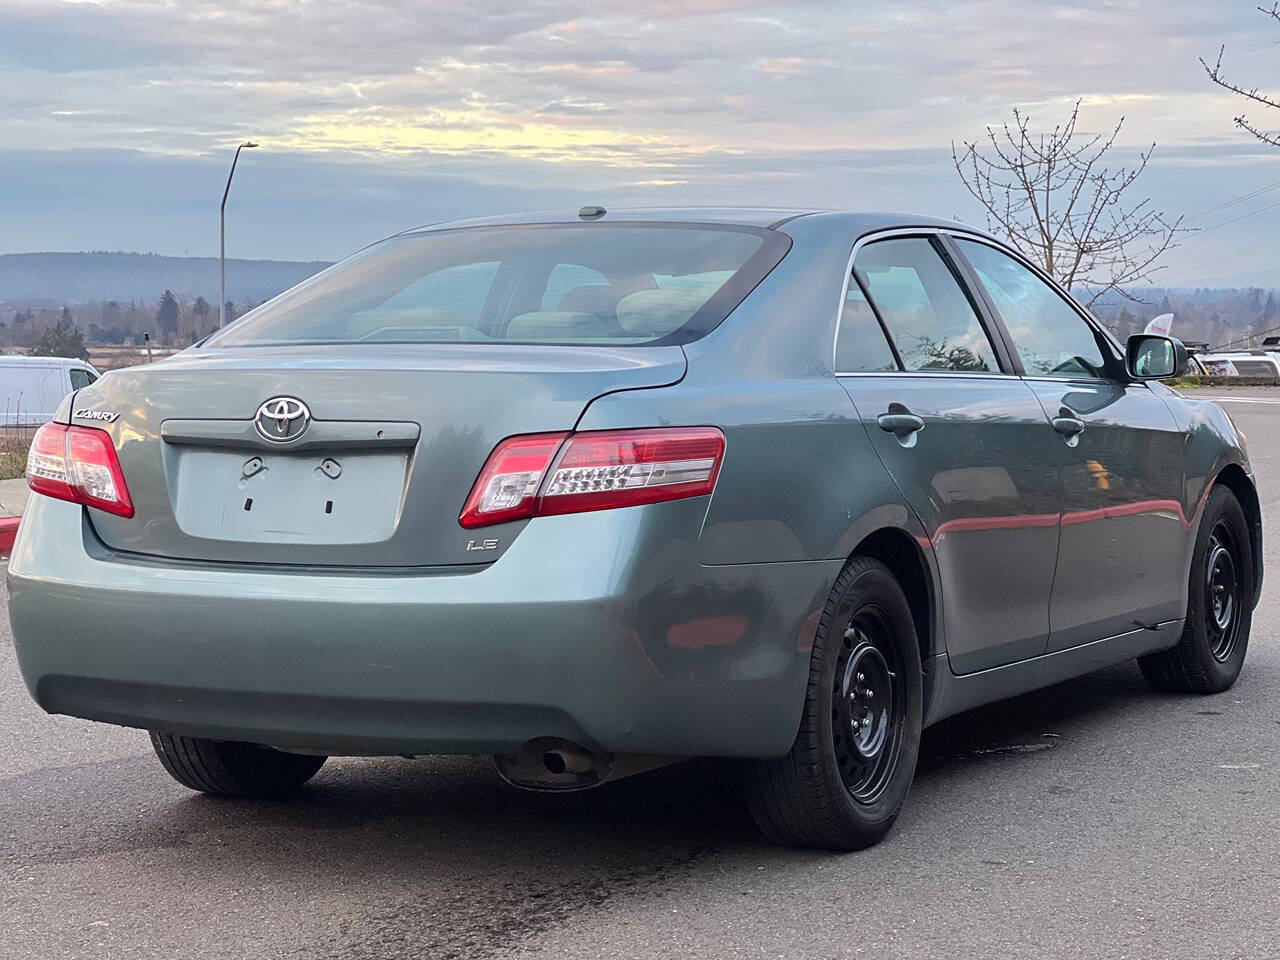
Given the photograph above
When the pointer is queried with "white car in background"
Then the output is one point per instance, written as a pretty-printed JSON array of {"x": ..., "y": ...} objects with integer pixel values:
[
  {"x": 1227, "y": 363},
  {"x": 1240, "y": 363},
  {"x": 32, "y": 387}
]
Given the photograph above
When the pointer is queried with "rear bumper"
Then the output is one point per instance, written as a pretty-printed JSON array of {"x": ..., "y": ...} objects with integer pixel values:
[{"x": 599, "y": 628}]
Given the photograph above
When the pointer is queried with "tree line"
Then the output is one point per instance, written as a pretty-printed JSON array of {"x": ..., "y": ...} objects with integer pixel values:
[
  {"x": 1212, "y": 316},
  {"x": 173, "y": 321}
]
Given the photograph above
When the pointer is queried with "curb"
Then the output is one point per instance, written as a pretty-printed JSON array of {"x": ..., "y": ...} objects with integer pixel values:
[
  {"x": 8, "y": 530},
  {"x": 1215, "y": 380}
]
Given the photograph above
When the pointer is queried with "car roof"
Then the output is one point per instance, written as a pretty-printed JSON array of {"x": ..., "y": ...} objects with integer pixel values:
[
  {"x": 770, "y": 217},
  {"x": 18, "y": 358}
]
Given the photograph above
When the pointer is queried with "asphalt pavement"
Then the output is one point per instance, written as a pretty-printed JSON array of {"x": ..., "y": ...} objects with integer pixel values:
[{"x": 1092, "y": 819}]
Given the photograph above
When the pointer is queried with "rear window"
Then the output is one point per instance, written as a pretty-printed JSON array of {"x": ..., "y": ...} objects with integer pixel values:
[{"x": 567, "y": 284}]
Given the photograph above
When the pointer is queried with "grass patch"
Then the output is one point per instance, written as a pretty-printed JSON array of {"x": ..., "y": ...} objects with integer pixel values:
[
  {"x": 1213, "y": 380},
  {"x": 13, "y": 456}
]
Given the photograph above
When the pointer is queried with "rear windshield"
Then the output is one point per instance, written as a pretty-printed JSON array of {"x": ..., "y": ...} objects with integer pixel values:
[{"x": 569, "y": 284}]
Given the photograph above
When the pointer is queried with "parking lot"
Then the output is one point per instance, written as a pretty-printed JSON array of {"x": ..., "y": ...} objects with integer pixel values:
[{"x": 1092, "y": 819}]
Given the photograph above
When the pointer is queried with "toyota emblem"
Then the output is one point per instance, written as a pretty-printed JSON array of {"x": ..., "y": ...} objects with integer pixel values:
[{"x": 282, "y": 419}]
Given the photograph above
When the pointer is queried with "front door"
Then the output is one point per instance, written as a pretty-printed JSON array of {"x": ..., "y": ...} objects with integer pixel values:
[
  {"x": 1118, "y": 453},
  {"x": 966, "y": 442}
]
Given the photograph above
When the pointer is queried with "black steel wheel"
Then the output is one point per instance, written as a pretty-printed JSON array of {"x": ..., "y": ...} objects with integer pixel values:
[
  {"x": 847, "y": 776},
  {"x": 869, "y": 703},
  {"x": 1211, "y": 650},
  {"x": 1223, "y": 601}
]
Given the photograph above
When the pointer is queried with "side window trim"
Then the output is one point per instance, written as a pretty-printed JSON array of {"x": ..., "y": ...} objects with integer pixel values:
[
  {"x": 1005, "y": 355},
  {"x": 844, "y": 296},
  {"x": 987, "y": 319},
  {"x": 875, "y": 312},
  {"x": 1100, "y": 332},
  {"x": 888, "y": 337},
  {"x": 994, "y": 322}
]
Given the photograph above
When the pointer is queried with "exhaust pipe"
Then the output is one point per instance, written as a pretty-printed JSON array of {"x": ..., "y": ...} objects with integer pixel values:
[
  {"x": 550, "y": 764},
  {"x": 568, "y": 759}
]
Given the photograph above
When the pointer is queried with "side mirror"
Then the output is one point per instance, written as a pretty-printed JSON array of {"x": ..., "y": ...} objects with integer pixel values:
[{"x": 1148, "y": 356}]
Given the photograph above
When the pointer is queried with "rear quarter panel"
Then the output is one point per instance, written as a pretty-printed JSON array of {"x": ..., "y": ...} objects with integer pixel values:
[{"x": 801, "y": 485}]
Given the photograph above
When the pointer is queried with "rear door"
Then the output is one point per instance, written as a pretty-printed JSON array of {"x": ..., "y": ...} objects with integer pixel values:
[
  {"x": 33, "y": 391},
  {"x": 965, "y": 441},
  {"x": 1117, "y": 450}
]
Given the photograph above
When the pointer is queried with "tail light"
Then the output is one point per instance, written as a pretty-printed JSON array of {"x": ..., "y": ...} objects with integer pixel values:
[
  {"x": 78, "y": 464},
  {"x": 554, "y": 473},
  {"x": 507, "y": 487}
]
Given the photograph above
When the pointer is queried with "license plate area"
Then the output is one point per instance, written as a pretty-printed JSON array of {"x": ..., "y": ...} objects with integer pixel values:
[{"x": 322, "y": 498}]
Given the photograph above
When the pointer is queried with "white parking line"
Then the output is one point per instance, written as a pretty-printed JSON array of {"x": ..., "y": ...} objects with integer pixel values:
[{"x": 1200, "y": 396}]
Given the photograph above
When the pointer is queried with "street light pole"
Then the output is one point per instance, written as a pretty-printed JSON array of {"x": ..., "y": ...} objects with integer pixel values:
[{"x": 222, "y": 236}]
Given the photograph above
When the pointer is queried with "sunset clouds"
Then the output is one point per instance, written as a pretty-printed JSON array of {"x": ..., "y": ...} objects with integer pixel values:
[{"x": 667, "y": 99}]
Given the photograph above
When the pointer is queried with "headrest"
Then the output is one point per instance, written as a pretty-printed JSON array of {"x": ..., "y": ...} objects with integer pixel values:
[
  {"x": 655, "y": 313},
  {"x": 555, "y": 325},
  {"x": 597, "y": 298}
]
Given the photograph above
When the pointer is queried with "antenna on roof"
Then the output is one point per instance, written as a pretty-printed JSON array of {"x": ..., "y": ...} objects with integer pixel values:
[{"x": 591, "y": 212}]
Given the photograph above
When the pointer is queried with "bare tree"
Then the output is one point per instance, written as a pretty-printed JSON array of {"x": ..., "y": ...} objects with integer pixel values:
[
  {"x": 1251, "y": 95},
  {"x": 1053, "y": 196}
]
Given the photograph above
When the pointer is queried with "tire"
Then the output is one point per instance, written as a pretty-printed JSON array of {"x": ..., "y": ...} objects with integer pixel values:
[
  {"x": 228, "y": 769},
  {"x": 1215, "y": 638},
  {"x": 836, "y": 790}
]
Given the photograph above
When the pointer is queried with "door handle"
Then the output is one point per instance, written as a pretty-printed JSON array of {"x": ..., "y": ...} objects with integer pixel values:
[
  {"x": 903, "y": 424},
  {"x": 900, "y": 422},
  {"x": 1068, "y": 425}
]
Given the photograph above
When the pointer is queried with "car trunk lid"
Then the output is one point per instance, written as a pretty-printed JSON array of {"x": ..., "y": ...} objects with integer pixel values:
[{"x": 397, "y": 436}]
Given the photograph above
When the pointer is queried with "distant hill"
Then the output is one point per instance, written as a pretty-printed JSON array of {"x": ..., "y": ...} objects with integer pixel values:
[{"x": 48, "y": 279}]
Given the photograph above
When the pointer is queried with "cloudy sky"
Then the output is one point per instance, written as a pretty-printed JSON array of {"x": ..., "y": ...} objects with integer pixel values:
[{"x": 118, "y": 117}]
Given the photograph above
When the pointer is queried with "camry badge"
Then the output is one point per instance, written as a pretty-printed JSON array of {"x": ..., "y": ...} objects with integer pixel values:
[
  {"x": 282, "y": 419},
  {"x": 103, "y": 416}
]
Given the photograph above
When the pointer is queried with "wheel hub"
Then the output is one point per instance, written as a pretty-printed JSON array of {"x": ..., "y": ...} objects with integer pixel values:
[
  {"x": 869, "y": 691},
  {"x": 1222, "y": 593},
  {"x": 867, "y": 708}
]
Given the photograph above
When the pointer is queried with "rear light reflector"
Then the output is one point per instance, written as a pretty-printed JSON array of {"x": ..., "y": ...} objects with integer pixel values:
[
  {"x": 47, "y": 463},
  {"x": 507, "y": 487},
  {"x": 557, "y": 473},
  {"x": 78, "y": 464}
]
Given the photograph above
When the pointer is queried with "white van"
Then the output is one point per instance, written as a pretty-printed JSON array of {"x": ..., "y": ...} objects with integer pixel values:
[
  {"x": 1240, "y": 363},
  {"x": 32, "y": 387}
]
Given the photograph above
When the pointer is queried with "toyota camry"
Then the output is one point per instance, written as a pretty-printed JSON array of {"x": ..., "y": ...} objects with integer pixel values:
[{"x": 594, "y": 491}]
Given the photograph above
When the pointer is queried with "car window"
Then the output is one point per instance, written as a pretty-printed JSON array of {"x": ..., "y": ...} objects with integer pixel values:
[
  {"x": 927, "y": 312},
  {"x": 81, "y": 378},
  {"x": 449, "y": 300},
  {"x": 587, "y": 283},
  {"x": 1050, "y": 337},
  {"x": 861, "y": 346}
]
